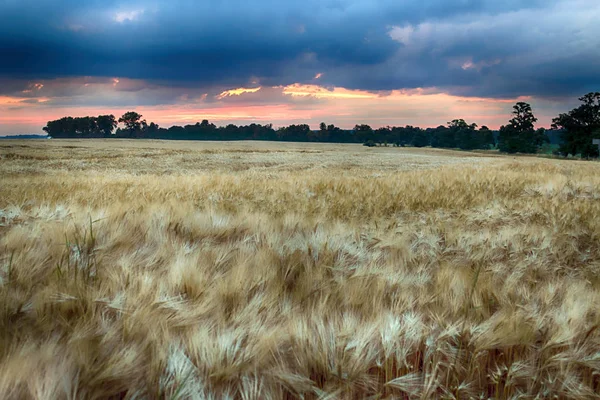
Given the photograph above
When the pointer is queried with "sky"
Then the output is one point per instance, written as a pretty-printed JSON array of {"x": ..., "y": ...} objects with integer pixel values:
[{"x": 379, "y": 62}]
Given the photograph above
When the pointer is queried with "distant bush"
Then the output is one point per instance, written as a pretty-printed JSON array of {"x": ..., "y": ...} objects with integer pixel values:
[{"x": 369, "y": 143}]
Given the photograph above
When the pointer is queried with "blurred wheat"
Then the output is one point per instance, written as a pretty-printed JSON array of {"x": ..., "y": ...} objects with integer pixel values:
[{"x": 296, "y": 272}]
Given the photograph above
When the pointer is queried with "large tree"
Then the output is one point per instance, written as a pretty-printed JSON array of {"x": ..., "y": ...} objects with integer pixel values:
[
  {"x": 323, "y": 134},
  {"x": 132, "y": 122},
  {"x": 579, "y": 126},
  {"x": 519, "y": 136},
  {"x": 443, "y": 136},
  {"x": 106, "y": 124},
  {"x": 465, "y": 135},
  {"x": 487, "y": 137},
  {"x": 404, "y": 136},
  {"x": 294, "y": 133},
  {"x": 63, "y": 127},
  {"x": 81, "y": 127},
  {"x": 420, "y": 138},
  {"x": 363, "y": 133}
]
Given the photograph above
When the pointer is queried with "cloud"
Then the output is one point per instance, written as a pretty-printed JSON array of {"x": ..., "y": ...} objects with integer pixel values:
[
  {"x": 307, "y": 58},
  {"x": 483, "y": 47},
  {"x": 124, "y": 16},
  {"x": 237, "y": 92},
  {"x": 551, "y": 53},
  {"x": 319, "y": 92}
]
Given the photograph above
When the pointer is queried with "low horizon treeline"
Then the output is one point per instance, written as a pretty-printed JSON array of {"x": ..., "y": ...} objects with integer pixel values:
[
  {"x": 458, "y": 133},
  {"x": 573, "y": 131}
]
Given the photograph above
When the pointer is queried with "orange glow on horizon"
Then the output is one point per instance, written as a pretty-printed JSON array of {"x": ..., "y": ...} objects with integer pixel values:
[{"x": 280, "y": 105}]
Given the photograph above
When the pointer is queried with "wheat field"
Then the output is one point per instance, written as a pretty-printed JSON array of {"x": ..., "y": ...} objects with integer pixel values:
[{"x": 197, "y": 270}]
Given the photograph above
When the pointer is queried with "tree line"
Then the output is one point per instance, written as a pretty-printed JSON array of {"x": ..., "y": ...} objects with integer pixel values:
[{"x": 575, "y": 131}]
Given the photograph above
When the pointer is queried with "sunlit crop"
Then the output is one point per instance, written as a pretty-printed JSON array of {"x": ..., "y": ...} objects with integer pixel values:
[{"x": 255, "y": 271}]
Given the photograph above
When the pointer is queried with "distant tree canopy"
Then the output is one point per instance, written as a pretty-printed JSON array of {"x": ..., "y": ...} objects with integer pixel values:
[
  {"x": 364, "y": 133},
  {"x": 294, "y": 133},
  {"x": 520, "y": 136},
  {"x": 329, "y": 133},
  {"x": 574, "y": 131},
  {"x": 579, "y": 126},
  {"x": 106, "y": 124},
  {"x": 462, "y": 135},
  {"x": 458, "y": 133},
  {"x": 86, "y": 127},
  {"x": 131, "y": 120}
]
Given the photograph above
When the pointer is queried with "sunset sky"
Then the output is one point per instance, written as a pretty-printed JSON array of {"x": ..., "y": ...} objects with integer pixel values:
[{"x": 380, "y": 62}]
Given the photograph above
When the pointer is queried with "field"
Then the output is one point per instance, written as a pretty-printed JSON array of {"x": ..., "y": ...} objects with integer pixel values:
[{"x": 192, "y": 270}]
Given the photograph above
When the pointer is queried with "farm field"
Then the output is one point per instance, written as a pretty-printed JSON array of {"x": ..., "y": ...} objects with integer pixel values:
[{"x": 257, "y": 270}]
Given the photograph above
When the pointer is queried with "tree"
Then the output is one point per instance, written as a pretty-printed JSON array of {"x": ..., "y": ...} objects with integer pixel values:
[
  {"x": 131, "y": 120},
  {"x": 294, "y": 133},
  {"x": 508, "y": 139},
  {"x": 363, "y": 133},
  {"x": 420, "y": 138},
  {"x": 106, "y": 124},
  {"x": 523, "y": 119},
  {"x": 81, "y": 127},
  {"x": 323, "y": 133},
  {"x": 579, "y": 126},
  {"x": 369, "y": 143},
  {"x": 487, "y": 137},
  {"x": 465, "y": 135},
  {"x": 519, "y": 135},
  {"x": 85, "y": 126},
  {"x": 540, "y": 137},
  {"x": 403, "y": 136},
  {"x": 382, "y": 135},
  {"x": 151, "y": 129},
  {"x": 60, "y": 128},
  {"x": 442, "y": 136}
]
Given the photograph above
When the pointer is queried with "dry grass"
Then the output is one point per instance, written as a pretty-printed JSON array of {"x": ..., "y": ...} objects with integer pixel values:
[{"x": 135, "y": 269}]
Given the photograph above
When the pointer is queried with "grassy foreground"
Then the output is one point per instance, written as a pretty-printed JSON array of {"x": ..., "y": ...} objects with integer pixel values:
[{"x": 262, "y": 270}]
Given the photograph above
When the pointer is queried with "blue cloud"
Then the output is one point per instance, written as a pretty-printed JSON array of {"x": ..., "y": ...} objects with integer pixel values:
[{"x": 471, "y": 47}]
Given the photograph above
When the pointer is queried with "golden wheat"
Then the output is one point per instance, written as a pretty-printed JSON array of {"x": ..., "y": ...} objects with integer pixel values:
[{"x": 146, "y": 269}]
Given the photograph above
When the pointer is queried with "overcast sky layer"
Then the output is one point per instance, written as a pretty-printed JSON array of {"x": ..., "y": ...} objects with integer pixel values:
[{"x": 387, "y": 62}]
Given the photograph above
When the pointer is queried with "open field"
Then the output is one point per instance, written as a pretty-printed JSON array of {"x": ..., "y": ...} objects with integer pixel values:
[{"x": 154, "y": 269}]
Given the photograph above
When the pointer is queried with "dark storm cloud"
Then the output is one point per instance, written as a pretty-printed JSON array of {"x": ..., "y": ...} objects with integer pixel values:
[
  {"x": 549, "y": 52},
  {"x": 468, "y": 47}
]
